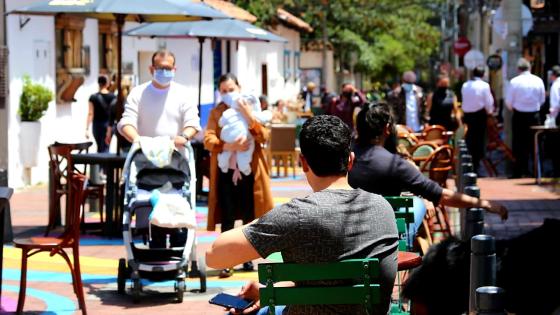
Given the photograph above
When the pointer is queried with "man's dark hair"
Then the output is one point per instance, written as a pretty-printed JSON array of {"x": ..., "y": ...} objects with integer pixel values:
[
  {"x": 102, "y": 80},
  {"x": 478, "y": 72},
  {"x": 163, "y": 53},
  {"x": 227, "y": 77},
  {"x": 371, "y": 121},
  {"x": 325, "y": 143},
  {"x": 556, "y": 71}
]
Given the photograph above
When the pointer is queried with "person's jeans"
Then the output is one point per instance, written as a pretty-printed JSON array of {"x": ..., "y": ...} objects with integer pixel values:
[
  {"x": 419, "y": 210},
  {"x": 278, "y": 309}
]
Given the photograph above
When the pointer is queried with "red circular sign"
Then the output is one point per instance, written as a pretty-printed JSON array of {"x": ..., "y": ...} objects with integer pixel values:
[{"x": 461, "y": 46}]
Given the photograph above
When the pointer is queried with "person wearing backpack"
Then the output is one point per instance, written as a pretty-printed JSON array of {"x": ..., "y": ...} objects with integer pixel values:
[{"x": 99, "y": 111}]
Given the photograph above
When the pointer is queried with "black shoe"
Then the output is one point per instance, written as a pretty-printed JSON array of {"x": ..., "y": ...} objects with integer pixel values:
[
  {"x": 225, "y": 273},
  {"x": 248, "y": 266}
]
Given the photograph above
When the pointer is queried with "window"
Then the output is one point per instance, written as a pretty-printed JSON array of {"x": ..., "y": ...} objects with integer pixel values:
[
  {"x": 297, "y": 70},
  {"x": 287, "y": 70},
  {"x": 107, "y": 47}
]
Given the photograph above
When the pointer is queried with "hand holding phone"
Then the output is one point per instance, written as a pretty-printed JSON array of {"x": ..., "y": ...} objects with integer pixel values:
[{"x": 230, "y": 301}]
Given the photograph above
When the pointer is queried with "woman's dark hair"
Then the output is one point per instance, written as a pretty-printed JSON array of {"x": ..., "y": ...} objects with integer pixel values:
[
  {"x": 325, "y": 143},
  {"x": 102, "y": 80},
  {"x": 227, "y": 77},
  {"x": 371, "y": 121}
]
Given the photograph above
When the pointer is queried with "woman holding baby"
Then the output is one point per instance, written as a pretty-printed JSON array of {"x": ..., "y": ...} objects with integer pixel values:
[{"x": 234, "y": 194}]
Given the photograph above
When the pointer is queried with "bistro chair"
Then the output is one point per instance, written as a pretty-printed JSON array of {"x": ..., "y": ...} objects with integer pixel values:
[
  {"x": 436, "y": 134},
  {"x": 421, "y": 152},
  {"x": 495, "y": 144},
  {"x": 69, "y": 239},
  {"x": 282, "y": 147},
  {"x": 60, "y": 166},
  {"x": 438, "y": 167}
]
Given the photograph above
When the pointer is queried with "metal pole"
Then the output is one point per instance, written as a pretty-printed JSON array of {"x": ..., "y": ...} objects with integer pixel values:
[
  {"x": 201, "y": 41},
  {"x": 483, "y": 265},
  {"x": 120, "y": 19},
  {"x": 325, "y": 41},
  {"x": 490, "y": 301},
  {"x": 4, "y": 93}
]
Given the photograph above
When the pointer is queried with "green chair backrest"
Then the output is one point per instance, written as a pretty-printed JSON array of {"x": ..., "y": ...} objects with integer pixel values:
[
  {"x": 364, "y": 273},
  {"x": 402, "y": 207}
]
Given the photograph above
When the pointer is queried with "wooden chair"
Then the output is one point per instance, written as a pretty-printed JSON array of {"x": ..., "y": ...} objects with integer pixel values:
[
  {"x": 435, "y": 134},
  {"x": 60, "y": 165},
  {"x": 438, "y": 167},
  {"x": 495, "y": 144},
  {"x": 362, "y": 276},
  {"x": 422, "y": 152},
  {"x": 282, "y": 146},
  {"x": 70, "y": 238}
]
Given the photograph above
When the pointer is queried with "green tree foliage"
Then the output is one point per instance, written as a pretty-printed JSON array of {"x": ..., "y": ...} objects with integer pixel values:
[
  {"x": 34, "y": 100},
  {"x": 388, "y": 36}
]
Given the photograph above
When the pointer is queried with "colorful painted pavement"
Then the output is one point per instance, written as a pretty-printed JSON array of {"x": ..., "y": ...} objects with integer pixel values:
[{"x": 49, "y": 289}]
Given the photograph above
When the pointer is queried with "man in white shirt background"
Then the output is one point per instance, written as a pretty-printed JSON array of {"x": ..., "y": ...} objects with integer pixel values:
[
  {"x": 525, "y": 96},
  {"x": 477, "y": 104},
  {"x": 554, "y": 139}
]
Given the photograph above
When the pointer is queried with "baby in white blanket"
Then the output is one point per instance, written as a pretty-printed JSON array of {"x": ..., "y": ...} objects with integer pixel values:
[{"x": 235, "y": 126}]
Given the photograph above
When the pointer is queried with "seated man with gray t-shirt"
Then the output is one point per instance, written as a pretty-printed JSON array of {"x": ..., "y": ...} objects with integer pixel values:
[{"x": 333, "y": 223}]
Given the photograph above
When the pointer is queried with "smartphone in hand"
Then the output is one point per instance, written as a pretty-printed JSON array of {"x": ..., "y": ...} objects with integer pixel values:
[{"x": 230, "y": 301}]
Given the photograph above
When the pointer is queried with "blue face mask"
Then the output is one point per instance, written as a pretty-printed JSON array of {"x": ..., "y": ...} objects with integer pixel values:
[
  {"x": 407, "y": 87},
  {"x": 230, "y": 99},
  {"x": 164, "y": 76}
]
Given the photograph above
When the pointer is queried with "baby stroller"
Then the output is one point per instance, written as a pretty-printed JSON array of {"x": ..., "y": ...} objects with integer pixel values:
[{"x": 151, "y": 255}]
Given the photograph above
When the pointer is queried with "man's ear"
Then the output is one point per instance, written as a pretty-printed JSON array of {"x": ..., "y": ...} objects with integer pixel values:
[
  {"x": 304, "y": 164},
  {"x": 351, "y": 160},
  {"x": 152, "y": 69}
]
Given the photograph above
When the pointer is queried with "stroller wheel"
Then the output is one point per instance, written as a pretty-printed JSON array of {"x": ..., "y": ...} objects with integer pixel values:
[
  {"x": 136, "y": 288},
  {"x": 122, "y": 276},
  {"x": 180, "y": 288}
]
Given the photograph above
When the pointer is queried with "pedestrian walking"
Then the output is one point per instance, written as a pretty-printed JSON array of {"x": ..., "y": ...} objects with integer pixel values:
[
  {"x": 99, "y": 111},
  {"x": 442, "y": 105},
  {"x": 524, "y": 97},
  {"x": 477, "y": 104},
  {"x": 409, "y": 103}
]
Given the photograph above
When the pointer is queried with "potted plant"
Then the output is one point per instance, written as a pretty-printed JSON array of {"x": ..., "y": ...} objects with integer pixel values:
[{"x": 33, "y": 103}]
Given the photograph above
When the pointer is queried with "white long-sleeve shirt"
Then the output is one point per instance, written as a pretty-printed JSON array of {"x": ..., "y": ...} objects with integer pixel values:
[
  {"x": 160, "y": 112},
  {"x": 555, "y": 98},
  {"x": 526, "y": 93},
  {"x": 476, "y": 96}
]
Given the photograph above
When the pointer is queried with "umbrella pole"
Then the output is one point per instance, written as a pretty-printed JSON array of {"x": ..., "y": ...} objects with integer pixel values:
[
  {"x": 201, "y": 41},
  {"x": 119, "y": 18}
]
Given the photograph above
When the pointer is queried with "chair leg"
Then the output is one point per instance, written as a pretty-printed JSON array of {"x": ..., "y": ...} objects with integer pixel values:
[
  {"x": 285, "y": 162},
  {"x": 67, "y": 259},
  {"x": 78, "y": 280},
  {"x": 101, "y": 203},
  {"x": 23, "y": 281}
]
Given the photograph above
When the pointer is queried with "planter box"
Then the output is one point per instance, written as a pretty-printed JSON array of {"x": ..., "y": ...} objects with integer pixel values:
[{"x": 29, "y": 140}]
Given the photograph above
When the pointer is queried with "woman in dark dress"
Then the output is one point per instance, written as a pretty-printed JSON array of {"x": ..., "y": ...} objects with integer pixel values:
[{"x": 443, "y": 106}]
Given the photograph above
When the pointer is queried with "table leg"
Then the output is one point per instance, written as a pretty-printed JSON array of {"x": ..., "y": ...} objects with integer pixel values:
[
  {"x": 537, "y": 159},
  {"x": 109, "y": 201}
]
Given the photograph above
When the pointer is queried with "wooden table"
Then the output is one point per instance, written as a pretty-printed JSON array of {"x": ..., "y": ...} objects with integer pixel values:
[
  {"x": 113, "y": 164},
  {"x": 537, "y": 159},
  {"x": 5, "y": 194}
]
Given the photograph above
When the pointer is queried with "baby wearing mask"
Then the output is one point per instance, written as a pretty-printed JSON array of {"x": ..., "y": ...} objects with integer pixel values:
[{"x": 235, "y": 126}]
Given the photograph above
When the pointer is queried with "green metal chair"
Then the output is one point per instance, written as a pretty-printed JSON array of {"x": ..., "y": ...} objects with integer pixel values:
[{"x": 362, "y": 272}]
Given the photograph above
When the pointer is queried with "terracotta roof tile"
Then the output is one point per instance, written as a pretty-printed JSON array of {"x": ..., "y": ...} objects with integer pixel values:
[
  {"x": 231, "y": 10},
  {"x": 293, "y": 21}
]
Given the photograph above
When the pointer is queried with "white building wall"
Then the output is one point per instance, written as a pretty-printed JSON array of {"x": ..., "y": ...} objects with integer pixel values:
[{"x": 250, "y": 56}]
